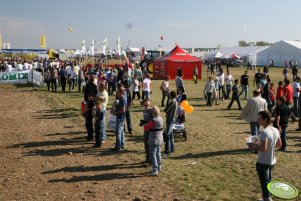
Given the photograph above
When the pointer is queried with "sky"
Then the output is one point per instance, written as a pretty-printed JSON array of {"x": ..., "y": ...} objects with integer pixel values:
[{"x": 139, "y": 23}]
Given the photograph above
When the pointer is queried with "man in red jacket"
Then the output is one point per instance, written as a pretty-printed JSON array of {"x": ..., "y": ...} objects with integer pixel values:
[{"x": 288, "y": 95}]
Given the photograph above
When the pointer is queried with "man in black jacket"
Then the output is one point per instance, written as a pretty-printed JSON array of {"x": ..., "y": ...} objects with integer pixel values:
[{"x": 89, "y": 95}]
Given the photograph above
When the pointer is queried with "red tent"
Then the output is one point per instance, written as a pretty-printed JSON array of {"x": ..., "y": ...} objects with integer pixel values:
[{"x": 170, "y": 62}]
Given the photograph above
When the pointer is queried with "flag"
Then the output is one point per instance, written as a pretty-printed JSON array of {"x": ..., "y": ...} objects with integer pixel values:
[
  {"x": 7, "y": 45},
  {"x": 104, "y": 46},
  {"x": 83, "y": 44},
  {"x": 118, "y": 46},
  {"x": 0, "y": 42},
  {"x": 91, "y": 50},
  {"x": 43, "y": 41}
]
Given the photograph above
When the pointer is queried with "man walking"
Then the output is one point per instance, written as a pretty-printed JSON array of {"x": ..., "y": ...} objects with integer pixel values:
[{"x": 251, "y": 110}]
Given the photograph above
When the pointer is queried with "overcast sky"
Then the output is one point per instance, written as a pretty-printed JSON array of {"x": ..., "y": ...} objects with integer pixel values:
[{"x": 190, "y": 23}]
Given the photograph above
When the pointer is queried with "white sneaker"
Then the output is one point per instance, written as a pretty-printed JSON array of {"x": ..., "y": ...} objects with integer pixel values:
[{"x": 153, "y": 173}]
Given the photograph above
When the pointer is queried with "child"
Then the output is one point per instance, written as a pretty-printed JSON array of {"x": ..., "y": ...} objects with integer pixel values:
[
  {"x": 235, "y": 95},
  {"x": 136, "y": 85},
  {"x": 147, "y": 117},
  {"x": 98, "y": 119},
  {"x": 155, "y": 139}
]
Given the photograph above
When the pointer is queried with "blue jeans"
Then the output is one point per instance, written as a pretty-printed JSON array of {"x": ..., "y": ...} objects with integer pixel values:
[
  {"x": 170, "y": 144},
  {"x": 228, "y": 89},
  {"x": 155, "y": 155},
  {"x": 100, "y": 128},
  {"x": 244, "y": 88},
  {"x": 119, "y": 132},
  {"x": 209, "y": 96},
  {"x": 283, "y": 137},
  {"x": 146, "y": 95},
  {"x": 265, "y": 176},
  {"x": 296, "y": 107},
  {"x": 254, "y": 128}
]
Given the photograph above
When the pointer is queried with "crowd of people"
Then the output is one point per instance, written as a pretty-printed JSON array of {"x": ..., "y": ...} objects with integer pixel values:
[{"x": 98, "y": 84}]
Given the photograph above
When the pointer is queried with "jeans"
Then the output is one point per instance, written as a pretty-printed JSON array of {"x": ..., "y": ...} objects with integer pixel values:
[
  {"x": 71, "y": 84},
  {"x": 209, "y": 97},
  {"x": 244, "y": 88},
  {"x": 234, "y": 98},
  {"x": 63, "y": 84},
  {"x": 296, "y": 106},
  {"x": 254, "y": 128},
  {"x": 146, "y": 95},
  {"x": 119, "y": 132},
  {"x": 146, "y": 147},
  {"x": 283, "y": 137},
  {"x": 89, "y": 124},
  {"x": 128, "y": 119},
  {"x": 170, "y": 144},
  {"x": 228, "y": 90},
  {"x": 265, "y": 176},
  {"x": 155, "y": 155},
  {"x": 165, "y": 94},
  {"x": 100, "y": 128}
]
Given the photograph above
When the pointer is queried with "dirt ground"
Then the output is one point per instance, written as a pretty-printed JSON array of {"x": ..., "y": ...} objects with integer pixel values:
[{"x": 44, "y": 156}]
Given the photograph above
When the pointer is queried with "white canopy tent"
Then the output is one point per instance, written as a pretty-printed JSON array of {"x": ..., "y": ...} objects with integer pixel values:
[{"x": 280, "y": 52}]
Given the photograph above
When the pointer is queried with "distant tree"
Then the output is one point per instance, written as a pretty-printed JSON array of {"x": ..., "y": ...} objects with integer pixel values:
[
  {"x": 263, "y": 43},
  {"x": 242, "y": 43}
]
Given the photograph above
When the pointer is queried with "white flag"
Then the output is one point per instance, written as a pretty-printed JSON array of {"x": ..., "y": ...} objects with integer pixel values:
[
  {"x": 104, "y": 45},
  {"x": 118, "y": 46},
  {"x": 91, "y": 51},
  {"x": 83, "y": 44}
]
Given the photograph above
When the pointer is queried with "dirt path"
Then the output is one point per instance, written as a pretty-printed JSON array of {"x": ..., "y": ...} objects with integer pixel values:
[{"x": 44, "y": 156}]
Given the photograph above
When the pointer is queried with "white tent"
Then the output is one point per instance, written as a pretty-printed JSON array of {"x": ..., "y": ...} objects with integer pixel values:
[
  {"x": 280, "y": 52},
  {"x": 218, "y": 55},
  {"x": 246, "y": 53}
]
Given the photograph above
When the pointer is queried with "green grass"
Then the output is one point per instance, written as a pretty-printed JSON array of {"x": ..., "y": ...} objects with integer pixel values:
[{"x": 224, "y": 169}]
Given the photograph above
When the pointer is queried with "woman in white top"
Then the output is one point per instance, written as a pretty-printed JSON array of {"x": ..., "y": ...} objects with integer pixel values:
[
  {"x": 72, "y": 79},
  {"x": 136, "y": 91},
  {"x": 146, "y": 87},
  {"x": 165, "y": 91}
]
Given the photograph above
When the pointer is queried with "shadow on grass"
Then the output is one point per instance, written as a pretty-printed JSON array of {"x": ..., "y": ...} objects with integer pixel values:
[
  {"x": 101, "y": 177},
  {"x": 61, "y": 113},
  {"x": 67, "y": 133},
  {"x": 24, "y": 85},
  {"x": 95, "y": 168},
  {"x": 212, "y": 154}
]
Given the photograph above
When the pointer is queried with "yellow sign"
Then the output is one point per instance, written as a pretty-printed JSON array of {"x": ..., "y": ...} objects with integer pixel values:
[{"x": 43, "y": 41}]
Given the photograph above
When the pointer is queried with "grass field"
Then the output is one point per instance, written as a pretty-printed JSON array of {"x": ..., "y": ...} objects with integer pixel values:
[{"x": 214, "y": 163}]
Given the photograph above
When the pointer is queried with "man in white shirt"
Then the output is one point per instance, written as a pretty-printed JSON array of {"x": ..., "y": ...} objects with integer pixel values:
[
  {"x": 251, "y": 110},
  {"x": 296, "y": 94},
  {"x": 25, "y": 66},
  {"x": 20, "y": 67},
  {"x": 229, "y": 80},
  {"x": 221, "y": 84}
]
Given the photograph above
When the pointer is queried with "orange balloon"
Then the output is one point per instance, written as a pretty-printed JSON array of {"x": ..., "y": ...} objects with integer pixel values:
[
  {"x": 184, "y": 104},
  {"x": 189, "y": 109}
]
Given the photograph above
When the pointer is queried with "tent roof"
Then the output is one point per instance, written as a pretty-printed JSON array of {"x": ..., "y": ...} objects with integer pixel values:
[
  {"x": 294, "y": 43},
  {"x": 241, "y": 51},
  {"x": 177, "y": 55}
]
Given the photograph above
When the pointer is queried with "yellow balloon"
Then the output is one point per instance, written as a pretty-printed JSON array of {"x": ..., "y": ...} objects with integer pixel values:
[
  {"x": 69, "y": 29},
  {"x": 184, "y": 104}
]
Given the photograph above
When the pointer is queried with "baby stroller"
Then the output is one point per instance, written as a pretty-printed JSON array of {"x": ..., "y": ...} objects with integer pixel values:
[{"x": 179, "y": 128}]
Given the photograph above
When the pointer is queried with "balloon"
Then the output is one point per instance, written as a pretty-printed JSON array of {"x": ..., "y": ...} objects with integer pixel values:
[
  {"x": 69, "y": 29},
  {"x": 244, "y": 26},
  {"x": 184, "y": 104},
  {"x": 189, "y": 109}
]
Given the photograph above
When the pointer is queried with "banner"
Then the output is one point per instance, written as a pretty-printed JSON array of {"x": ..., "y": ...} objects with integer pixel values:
[
  {"x": 104, "y": 45},
  {"x": 118, "y": 46},
  {"x": 83, "y": 44},
  {"x": 0, "y": 42},
  {"x": 91, "y": 50},
  {"x": 43, "y": 41},
  {"x": 16, "y": 77},
  {"x": 37, "y": 78}
]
